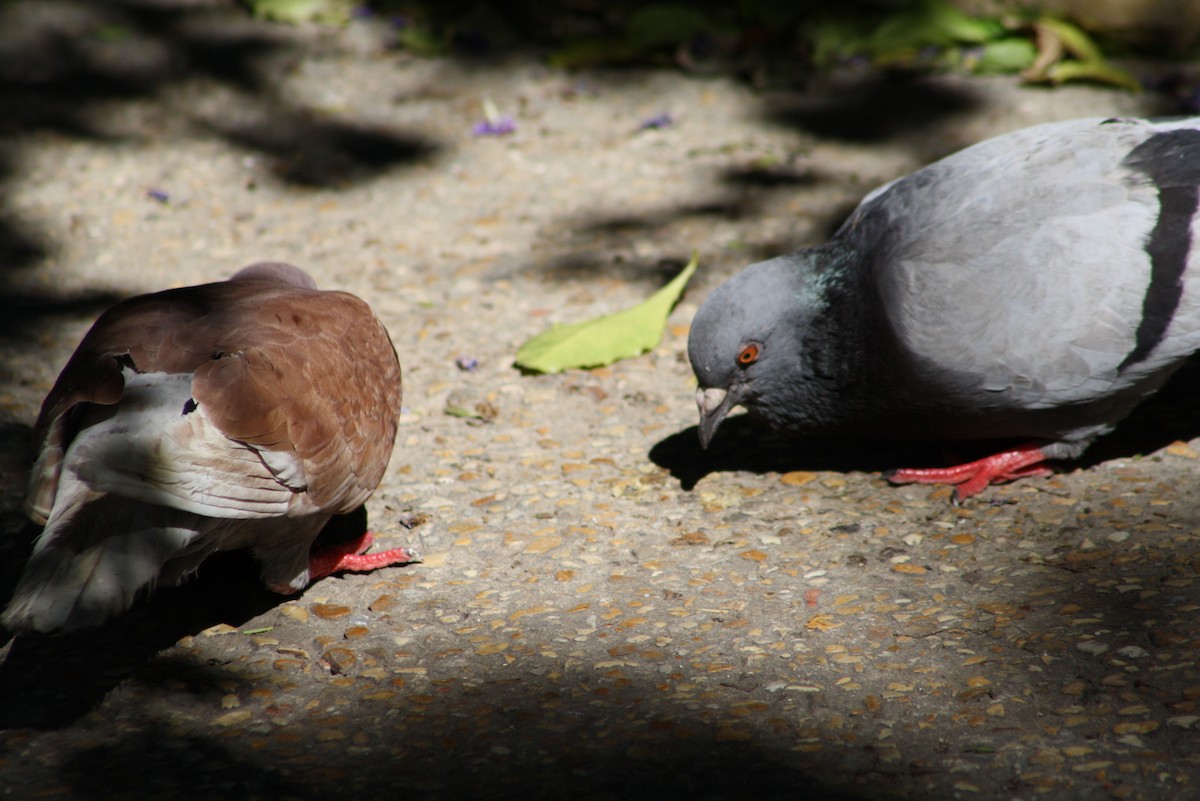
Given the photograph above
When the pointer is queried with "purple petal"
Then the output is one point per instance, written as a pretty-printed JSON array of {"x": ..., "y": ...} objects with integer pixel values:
[
  {"x": 497, "y": 127},
  {"x": 657, "y": 121},
  {"x": 467, "y": 363}
]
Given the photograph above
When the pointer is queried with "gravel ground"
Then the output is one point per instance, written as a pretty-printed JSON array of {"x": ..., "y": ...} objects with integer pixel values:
[{"x": 603, "y": 610}]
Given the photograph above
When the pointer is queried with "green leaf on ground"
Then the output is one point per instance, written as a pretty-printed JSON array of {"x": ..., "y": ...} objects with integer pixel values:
[
  {"x": 608, "y": 339},
  {"x": 296, "y": 12}
]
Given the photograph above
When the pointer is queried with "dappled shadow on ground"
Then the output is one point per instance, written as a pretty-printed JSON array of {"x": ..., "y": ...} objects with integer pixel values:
[
  {"x": 20, "y": 242},
  {"x": 316, "y": 152},
  {"x": 739, "y": 194},
  {"x": 69, "y": 68},
  {"x": 426, "y": 762},
  {"x": 514, "y": 736},
  {"x": 62, "y": 66},
  {"x": 873, "y": 107},
  {"x": 554, "y": 727},
  {"x": 868, "y": 109},
  {"x": 49, "y": 681},
  {"x": 24, "y": 309}
]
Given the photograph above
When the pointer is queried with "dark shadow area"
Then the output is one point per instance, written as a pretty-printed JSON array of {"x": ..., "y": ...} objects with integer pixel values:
[
  {"x": 313, "y": 152},
  {"x": 587, "y": 734},
  {"x": 20, "y": 245},
  {"x": 49, "y": 681},
  {"x": 872, "y": 107},
  {"x": 747, "y": 190},
  {"x": 69, "y": 65},
  {"x": 431, "y": 755},
  {"x": 159, "y": 763},
  {"x": 23, "y": 309},
  {"x": 597, "y": 263},
  {"x": 743, "y": 193},
  {"x": 70, "y": 70},
  {"x": 743, "y": 445},
  {"x": 758, "y": 178},
  {"x": 1169, "y": 415}
]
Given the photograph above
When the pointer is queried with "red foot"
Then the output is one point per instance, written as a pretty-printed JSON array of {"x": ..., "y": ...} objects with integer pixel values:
[
  {"x": 972, "y": 477},
  {"x": 350, "y": 556}
]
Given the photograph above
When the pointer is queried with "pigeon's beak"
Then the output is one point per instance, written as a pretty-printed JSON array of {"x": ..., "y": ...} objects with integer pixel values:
[{"x": 714, "y": 404}]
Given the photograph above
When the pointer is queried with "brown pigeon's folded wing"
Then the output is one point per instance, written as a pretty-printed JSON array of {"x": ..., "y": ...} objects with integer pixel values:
[{"x": 320, "y": 384}]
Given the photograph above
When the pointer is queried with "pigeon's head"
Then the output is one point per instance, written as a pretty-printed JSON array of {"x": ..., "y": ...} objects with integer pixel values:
[
  {"x": 277, "y": 272},
  {"x": 744, "y": 343}
]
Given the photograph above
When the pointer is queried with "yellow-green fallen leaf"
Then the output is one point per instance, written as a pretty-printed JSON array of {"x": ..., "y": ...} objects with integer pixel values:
[
  {"x": 608, "y": 339},
  {"x": 295, "y": 12},
  {"x": 459, "y": 411},
  {"x": 1097, "y": 71}
]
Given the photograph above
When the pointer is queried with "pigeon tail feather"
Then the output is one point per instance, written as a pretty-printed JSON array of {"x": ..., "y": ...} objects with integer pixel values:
[{"x": 81, "y": 573}]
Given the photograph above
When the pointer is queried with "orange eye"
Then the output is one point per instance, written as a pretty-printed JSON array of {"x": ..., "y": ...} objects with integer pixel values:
[{"x": 749, "y": 355}]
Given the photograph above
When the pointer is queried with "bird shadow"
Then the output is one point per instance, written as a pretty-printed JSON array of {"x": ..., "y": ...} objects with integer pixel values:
[
  {"x": 745, "y": 446},
  {"x": 742, "y": 445},
  {"x": 48, "y": 681}
]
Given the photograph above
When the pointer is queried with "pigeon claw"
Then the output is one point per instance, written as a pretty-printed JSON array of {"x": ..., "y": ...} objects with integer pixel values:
[
  {"x": 972, "y": 478},
  {"x": 352, "y": 556}
]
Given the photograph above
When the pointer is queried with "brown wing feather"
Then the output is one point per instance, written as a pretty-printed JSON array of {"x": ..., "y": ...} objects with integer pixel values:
[
  {"x": 313, "y": 372},
  {"x": 133, "y": 330},
  {"x": 279, "y": 366}
]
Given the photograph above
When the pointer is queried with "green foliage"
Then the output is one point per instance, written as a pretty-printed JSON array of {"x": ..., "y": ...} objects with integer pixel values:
[
  {"x": 113, "y": 33},
  {"x": 930, "y": 24},
  {"x": 646, "y": 31},
  {"x": 932, "y": 33},
  {"x": 420, "y": 40},
  {"x": 664, "y": 25},
  {"x": 1007, "y": 55},
  {"x": 604, "y": 340},
  {"x": 1066, "y": 53},
  {"x": 751, "y": 36},
  {"x": 774, "y": 15}
]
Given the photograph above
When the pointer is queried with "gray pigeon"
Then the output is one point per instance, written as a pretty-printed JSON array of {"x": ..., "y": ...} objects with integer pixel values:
[
  {"x": 1034, "y": 287},
  {"x": 239, "y": 414}
]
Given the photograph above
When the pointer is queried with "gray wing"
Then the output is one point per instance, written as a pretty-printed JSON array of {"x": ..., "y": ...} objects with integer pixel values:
[{"x": 1046, "y": 267}]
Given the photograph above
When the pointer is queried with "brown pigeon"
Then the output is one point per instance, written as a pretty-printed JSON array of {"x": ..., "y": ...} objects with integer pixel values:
[{"x": 238, "y": 414}]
